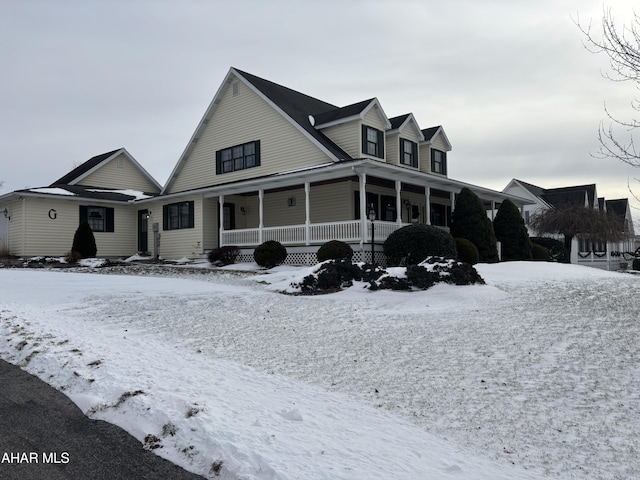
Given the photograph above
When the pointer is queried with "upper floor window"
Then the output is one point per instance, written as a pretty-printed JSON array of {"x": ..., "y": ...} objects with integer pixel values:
[
  {"x": 239, "y": 157},
  {"x": 438, "y": 161},
  {"x": 408, "y": 153},
  {"x": 176, "y": 216},
  {"x": 100, "y": 219},
  {"x": 372, "y": 141}
]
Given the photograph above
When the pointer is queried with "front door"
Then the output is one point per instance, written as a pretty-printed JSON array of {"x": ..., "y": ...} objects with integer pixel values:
[{"x": 143, "y": 230}]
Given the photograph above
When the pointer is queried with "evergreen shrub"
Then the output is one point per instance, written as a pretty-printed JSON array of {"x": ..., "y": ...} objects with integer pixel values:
[
  {"x": 269, "y": 254},
  {"x": 636, "y": 264},
  {"x": 334, "y": 250},
  {"x": 84, "y": 243},
  {"x": 410, "y": 245},
  {"x": 469, "y": 220},
  {"x": 556, "y": 248},
  {"x": 467, "y": 251},
  {"x": 512, "y": 233},
  {"x": 539, "y": 253},
  {"x": 222, "y": 256}
]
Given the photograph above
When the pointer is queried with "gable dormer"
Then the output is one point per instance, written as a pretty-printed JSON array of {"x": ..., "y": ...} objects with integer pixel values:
[
  {"x": 403, "y": 139},
  {"x": 359, "y": 129},
  {"x": 434, "y": 150}
]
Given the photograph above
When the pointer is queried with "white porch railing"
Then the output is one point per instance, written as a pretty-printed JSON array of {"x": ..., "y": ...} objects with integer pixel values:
[{"x": 316, "y": 233}]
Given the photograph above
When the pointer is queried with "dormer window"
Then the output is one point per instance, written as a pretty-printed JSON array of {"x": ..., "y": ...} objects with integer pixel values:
[
  {"x": 372, "y": 141},
  {"x": 438, "y": 161},
  {"x": 408, "y": 153}
]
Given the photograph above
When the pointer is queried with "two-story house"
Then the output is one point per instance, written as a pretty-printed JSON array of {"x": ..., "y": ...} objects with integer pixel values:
[
  {"x": 264, "y": 163},
  {"x": 609, "y": 255}
]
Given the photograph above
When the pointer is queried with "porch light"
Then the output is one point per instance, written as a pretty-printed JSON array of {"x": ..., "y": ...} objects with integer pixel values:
[
  {"x": 6, "y": 213},
  {"x": 372, "y": 214}
]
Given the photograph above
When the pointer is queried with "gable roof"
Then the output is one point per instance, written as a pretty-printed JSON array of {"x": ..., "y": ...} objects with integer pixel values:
[
  {"x": 298, "y": 108},
  {"x": 401, "y": 121},
  {"x": 430, "y": 133},
  {"x": 94, "y": 163},
  {"x": 571, "y": 195},
  {"x": 618, "y": 207}
]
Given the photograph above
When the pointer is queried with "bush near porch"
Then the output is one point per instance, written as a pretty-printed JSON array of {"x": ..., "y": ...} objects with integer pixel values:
[{"x": 410, "y": 245}]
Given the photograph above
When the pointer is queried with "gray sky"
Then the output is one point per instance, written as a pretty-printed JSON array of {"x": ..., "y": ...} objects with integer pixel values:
[{"x": 510, "y": 81}]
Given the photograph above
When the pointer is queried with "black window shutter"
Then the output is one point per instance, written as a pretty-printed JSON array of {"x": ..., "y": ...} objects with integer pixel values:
[
  {"x": 257, "y": 153},
  {"x": 414, "y": 147},
  {"x": 364, "y": 139},
  {"x": 165, "y": 217},
  {"x": 444, "y": 163},
  {"x": 191, "y": 215},
  {"x": 218, "y": 162},
  {"x": 84, "y": 214},
  {"x": 380, "y": 144},
  {"x": 110, "y": 224}
]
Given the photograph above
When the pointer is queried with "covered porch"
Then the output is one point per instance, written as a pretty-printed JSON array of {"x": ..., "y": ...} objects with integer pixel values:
[{"x": 309, "y": 207}]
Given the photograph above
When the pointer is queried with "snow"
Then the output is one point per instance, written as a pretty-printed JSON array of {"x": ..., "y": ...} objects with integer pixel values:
[
  {"x": 132, "y": 193},
  {"x": 531, "y": 376},
  {"x": 52, "y": 191}
]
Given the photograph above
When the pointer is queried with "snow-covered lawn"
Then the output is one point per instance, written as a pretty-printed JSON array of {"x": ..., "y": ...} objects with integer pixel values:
[{"x": 534, "y": 375}]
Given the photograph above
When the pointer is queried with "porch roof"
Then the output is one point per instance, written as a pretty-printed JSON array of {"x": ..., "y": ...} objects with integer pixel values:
[{"x": 335, "y": 171}]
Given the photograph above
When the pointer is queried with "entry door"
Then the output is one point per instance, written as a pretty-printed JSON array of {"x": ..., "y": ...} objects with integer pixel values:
[{"x": 143, "y": 230}]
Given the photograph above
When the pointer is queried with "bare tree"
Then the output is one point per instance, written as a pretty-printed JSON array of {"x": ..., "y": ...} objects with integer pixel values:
[
  {"x": 571, "y": 221},
  {"x": 622, "y": 46}
]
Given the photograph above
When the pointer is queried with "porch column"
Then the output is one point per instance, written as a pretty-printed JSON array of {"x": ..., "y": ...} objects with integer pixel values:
[
  {"x": 427, "y": 211},
  {"x": 363, "y": 209},
  {"x": 260, "y": 214},
  {"x": 399, "y": 203},
  {"x": 307, "y": 214},
  {"x": 221, "y": 219},
  {"x": 493, "y": 210}
]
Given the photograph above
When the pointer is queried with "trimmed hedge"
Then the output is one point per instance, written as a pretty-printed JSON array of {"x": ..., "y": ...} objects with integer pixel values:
[
  {"x": 410, "y": 245},
  {"x": 636, "y": 264},
  {"x": 334, "y": 250},
  {"x": 224, "y": 255},
  {"x": 557, "y": 251},
  {"x": 467, "y": 251},
  {"x": 269, "y": 254},
  {"x": 84, "y": 242},
  {"x": 539, "y": 253}
]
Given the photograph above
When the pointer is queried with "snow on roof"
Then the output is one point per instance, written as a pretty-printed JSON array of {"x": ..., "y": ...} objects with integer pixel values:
[
  {"x": 132, "y": 193},
  {"x": 52, "y": 191}
]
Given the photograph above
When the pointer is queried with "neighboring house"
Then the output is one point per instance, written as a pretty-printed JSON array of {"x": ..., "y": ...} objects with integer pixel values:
[
  {"x": 269, "y": 163},
  {"x": 607, "y": 256}
]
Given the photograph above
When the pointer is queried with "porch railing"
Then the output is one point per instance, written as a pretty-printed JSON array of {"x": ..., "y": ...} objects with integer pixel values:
[{"x": 314, "y": 233}]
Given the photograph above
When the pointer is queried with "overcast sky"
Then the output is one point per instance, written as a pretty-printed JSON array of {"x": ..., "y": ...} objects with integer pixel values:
[{"x": 510, "y": 81}]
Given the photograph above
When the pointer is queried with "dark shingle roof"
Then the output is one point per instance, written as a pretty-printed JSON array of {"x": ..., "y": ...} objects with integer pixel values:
[
  {"x": 428, "y": 133},
  {"x": 343, "y": 112},
  {"x": 618, "y": 207},
  {"x": 570, "y": 195},
  {"x": 298, "y": 107},
  {"x": 83, "y": 168},
  {"x": 92, "y": 193},
  {"x": 396, "y": 122}
]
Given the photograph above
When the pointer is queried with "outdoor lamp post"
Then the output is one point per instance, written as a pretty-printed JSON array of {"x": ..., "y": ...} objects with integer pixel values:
[{"x": 372, "y": 217}]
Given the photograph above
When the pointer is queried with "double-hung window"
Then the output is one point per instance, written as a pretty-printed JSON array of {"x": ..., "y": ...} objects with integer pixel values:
[
  {"x": 408, "y": 153},
  {"x": 438, "y": 161},
  {"x": 372, "y": 141},
  {"x": 239, "y": 157},
  {"x": 100, "y": 219},
  {"x": 176, "y": 216}
]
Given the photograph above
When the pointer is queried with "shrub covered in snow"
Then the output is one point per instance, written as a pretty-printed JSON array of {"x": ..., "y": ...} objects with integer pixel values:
[
  {"x": 332, "y": 276},
  {"x": 269, "y": 254},
  {"x": 334, "y": 250},
  {"x": 224, "y": 255},
  {"x": 410, "y": 245},
  {"x": 84, "y": 243}
]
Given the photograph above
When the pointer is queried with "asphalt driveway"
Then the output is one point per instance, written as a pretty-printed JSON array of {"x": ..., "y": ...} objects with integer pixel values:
[{"x": 43, "y": 435}]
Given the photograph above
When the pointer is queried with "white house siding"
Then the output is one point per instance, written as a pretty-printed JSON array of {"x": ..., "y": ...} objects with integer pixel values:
[
  {"x": 278, "y": 212},
  {"x": 392, "y": 148},
  {"x": 237, "y": 120},
  {"x": 331, "y": 202},
  {"x": 10, "y": 227},
  {"x": 185, "y": 242},
  {"x": 210, "y": 225},
  {"x": 347, "y": 136},
  {"x": 128, "y": 176}
]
